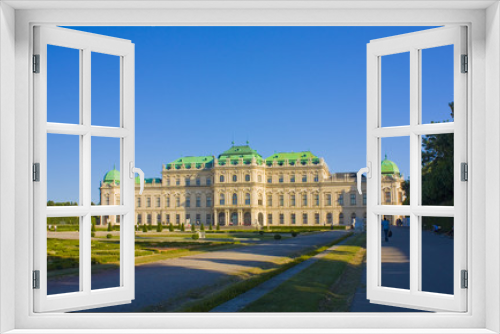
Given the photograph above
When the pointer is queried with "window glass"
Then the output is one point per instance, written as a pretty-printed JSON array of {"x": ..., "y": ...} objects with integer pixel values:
[
  {"x": 395, "y": 93},
  {"x": 395, "y": 170},
  {"x": 106, "y": 83},
  {"x": 105, "y": 251},
  {"x": 395, "y": 259}
]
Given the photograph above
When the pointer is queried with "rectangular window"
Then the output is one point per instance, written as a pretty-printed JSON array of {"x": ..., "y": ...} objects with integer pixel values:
[
  {"x": 269, "y": 200},
  {"x": 292, "y": 200},
  {"x": 139, "y": 219},
  {"x": 198, "y": 218},
  {"x": 138, "y": 202},
  {"x": 209, "y": 219},
  {"x": 177, "y": 219},
  {"x": 304, "y": 178},
  {"x": 177, "y": 201},
  {"x": 269, "y": 179},
  {"x": 316, "y": 199},
  {"x": 304, "y": 218},
  {"x": 188, "y": 201},
  {"x": 187, "y": 181},
  {"x": 316, "y": 218},
  {"x": 281, "y": 179},
  {"x": 247, "y": 199},
  {"x": 292, "y": 218},
  {"x": 388, "y": 197},
  {"x": 149, "y": 219},
  {"x": 329, "y": 199},
  {"x": 167, "y": 218},
  {"x": 292, "y": 178},
  {"x": 209, "y": 201},
  {"x": 316, "y": 178},
  {"x": 364, "y": 199},
  {"x": 168, "y": 181},
  {"x": 198, "y": 181},
  {"x": 158, "y": 202},
  {"x": 270, "y": 218},
  {"x": 168, "y": 201},
  {"x": 198, "y": 201},
  {"x": 177, "y": 182},
  {"x": 188, "y": 218},
  {"x": 158, "y": 219},
  {"x": 282, "y": 201},
  {"x": 304, "y": 199},
  {"x": 282, "y": 218},
  {"x": 208, "y": 181},
  {"x": 148, "y": 202},
  {"x": 341, "y": 199},
  {"x": 353, "y": 199}
]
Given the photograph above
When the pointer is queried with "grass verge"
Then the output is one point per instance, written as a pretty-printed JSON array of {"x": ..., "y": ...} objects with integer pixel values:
[
  {"x": 308, "y": 290},
  {"x": 224, "y": 294}
]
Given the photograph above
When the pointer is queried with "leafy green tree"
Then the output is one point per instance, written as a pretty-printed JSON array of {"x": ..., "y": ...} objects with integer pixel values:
[
  {"x": 202, "y": 227},
  {"x": 210, "y": 227},
  {"x": 437, "y": 169},
  {"x": 159, "y": 227},
  {"x": 170, "y": 227},
  {"x": 217, "y": 227}
]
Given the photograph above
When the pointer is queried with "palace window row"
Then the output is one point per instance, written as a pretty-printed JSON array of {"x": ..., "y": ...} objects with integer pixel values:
[
  {"x": 187, "y": 181},
  {"x": 327, "y": 219}
]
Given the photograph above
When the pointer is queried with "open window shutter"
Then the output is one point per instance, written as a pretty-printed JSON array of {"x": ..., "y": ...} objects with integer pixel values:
[
  {"x": 84, "y": 296},
  {"x": 415, "y": 295}
]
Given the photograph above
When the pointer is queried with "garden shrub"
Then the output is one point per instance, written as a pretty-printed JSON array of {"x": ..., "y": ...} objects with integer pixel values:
[
  {"x": 277, "y": 236},
  {"x": 195, "y": 236},
  {"x": 294, "y": 234},
  {"x": 218, "y": 227},
  {"x": 110, "y": 227},
  {"x": 144, "y": 228},
  {"x": 170, "y": 227},
  {"x": 159, "y": 227},
  {"x": 202, "y": 227},
  {"x": 193, "y": 228},
  {"x": 108, "y": 236},
  {"x": 210, "y": 227},
  {"x": 92, "y": 234},
  {"x": 182, "y": 227},
  {"x": 261, "y": 232}
]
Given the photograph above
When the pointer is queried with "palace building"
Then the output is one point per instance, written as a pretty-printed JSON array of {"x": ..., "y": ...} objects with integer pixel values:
[{"x": 240, "y": 187}]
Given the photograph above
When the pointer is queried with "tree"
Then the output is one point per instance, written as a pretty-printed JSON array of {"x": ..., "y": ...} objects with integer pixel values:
[
  {"x": 202, "y": 227},
  {"x": 170, "y": 227},
  {"x": 159, "y": 227},
  {"x": 193, "y": 228},
  {"x": 437, "y": 169}
]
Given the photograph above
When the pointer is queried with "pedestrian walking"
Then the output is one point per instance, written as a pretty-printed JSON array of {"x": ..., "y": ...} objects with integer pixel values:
[{"x": 386, "y": 228}]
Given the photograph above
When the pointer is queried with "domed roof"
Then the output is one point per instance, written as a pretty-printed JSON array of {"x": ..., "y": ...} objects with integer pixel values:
[
  {"x": 112, "y": 176},
  {"x": 389, "y": 167}
]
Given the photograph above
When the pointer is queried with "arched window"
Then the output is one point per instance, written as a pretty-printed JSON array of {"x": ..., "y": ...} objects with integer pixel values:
[
  {"x": 235, "y": 199},
  {"x": 247, "y": 178},
  {"x": 222, "y": 199},
  {"x": 247, "y": 199},
  {"x": 341, "y": 218},
  {"x": 235, "y": 178},
  {"x": 221, "y": 178}
]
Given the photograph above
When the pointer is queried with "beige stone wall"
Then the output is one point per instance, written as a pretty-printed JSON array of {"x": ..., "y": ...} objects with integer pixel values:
[{"x": 186, "y": 194}]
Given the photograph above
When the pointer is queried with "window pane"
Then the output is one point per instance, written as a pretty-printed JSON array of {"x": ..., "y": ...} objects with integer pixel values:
[
  {"x": 63, "y": 85},
  {"x": 437, "y": 169},
  {"x": 63, "y": 169},
  {"x": 63, "y": 255},
  {"x": 437, "y": 84},
  {"x": 395, "y": 94},
  {"x": 105, "y": 89},
  {"x": 395, "y": 163},
  {"x": 106, "y": 171},
  {"x": 395, "y": 253},
  {"x": 105, "y": 251},
  {"x": 437, "y": 254}
]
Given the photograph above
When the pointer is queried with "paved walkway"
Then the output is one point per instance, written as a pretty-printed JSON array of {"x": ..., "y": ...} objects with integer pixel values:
[
  {"x": 259, "y": 291},
  {"x": 169, "y": 279},
  {"x": 437, "y": 268}
]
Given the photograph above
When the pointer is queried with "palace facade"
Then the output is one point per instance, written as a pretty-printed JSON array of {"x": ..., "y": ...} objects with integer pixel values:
[{"x": 240, "y": 187}]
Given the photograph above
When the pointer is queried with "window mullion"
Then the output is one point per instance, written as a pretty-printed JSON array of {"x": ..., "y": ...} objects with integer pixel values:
[
  {"x": 414, "y": 168},
  {"x": 85, "y": 171}
]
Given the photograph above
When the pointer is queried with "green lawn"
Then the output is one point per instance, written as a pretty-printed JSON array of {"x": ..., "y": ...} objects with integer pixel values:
[
  {"x": 63, "y": 254},
  {"x": 316, "y": 289}
]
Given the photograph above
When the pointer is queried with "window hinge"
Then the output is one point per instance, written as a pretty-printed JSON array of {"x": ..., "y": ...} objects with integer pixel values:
[
  {"x": 36, "y": 63},
  {"x": 36, "y": 172},
  {"x": 464, "y": 171},
  {"x": 36, "y": 279},
  {"x": 465, "y": 279},
  {"x": 465, "y": 64}
]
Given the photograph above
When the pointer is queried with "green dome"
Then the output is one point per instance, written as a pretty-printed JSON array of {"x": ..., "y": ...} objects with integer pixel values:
[
  {"x": 389, "y": 167},
  {"x": 112, "y": 176}
]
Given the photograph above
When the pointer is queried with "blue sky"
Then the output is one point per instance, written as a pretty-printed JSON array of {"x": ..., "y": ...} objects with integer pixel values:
[{"x": 280, "y": 88}]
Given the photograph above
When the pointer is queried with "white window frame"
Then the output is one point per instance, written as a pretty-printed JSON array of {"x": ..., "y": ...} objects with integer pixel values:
[{"x": 483, "y": 19}]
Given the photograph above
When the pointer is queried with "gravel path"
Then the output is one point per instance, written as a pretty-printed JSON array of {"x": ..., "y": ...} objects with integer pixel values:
[{"x": 173, "y": 278}]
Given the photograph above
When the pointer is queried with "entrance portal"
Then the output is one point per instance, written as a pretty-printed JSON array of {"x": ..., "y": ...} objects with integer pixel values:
[
  {"x": 247, "y": 218},
  {"x": 222, "y": 219}
]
